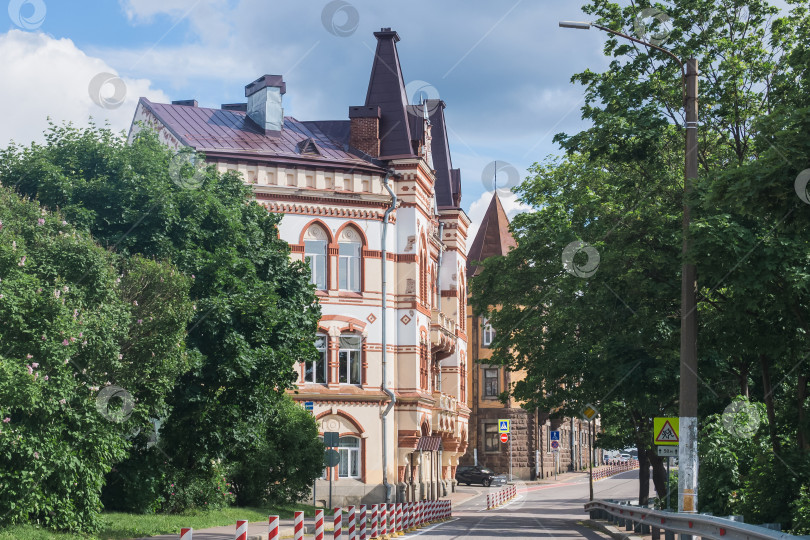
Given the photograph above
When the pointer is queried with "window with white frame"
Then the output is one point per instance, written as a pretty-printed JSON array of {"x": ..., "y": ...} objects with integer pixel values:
[
  {"x": 487, "y": 333},
  {"x": 315, "y": 255},
  {"x": 349, "y": 358},
  {"x": 490, "y": 383},
  {"x": 350, "y": 247},
  {"x": 349, "y": 450},
  {"x": 317, "y": 371}
]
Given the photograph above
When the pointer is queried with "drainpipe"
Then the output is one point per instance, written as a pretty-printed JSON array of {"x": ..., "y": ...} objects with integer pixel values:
[{"x": 384, "y": 318}]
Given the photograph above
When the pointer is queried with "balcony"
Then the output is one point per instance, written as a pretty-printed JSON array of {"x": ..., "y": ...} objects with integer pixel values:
[
  {"x": 442, "y": 333},
  {"x": 445, "y": 414}
]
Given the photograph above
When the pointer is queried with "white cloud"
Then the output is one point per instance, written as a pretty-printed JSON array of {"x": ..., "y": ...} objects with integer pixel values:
[
  {"x": 46, "y": 77},
  {"x": 511, "y": 205}
]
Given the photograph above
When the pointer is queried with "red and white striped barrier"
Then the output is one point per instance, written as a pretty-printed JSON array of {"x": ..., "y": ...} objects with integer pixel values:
[
  {"x": 374, "y": 521},
  {"x": 350, "y": 529},
  {"x": 272, "y": 522},
  {"x": 338, "y": 523},
  {"x": 298, "y": 526},
  {"x": 361, "y": 525},
  {"x": 500, "y": 497},
  {"x": 241, "y": 530},
  {"x": 318, "y": 526},
  {"x": 400, "y": 516},
  {"x": 185, "y": 533},
  {"x": 409, "y": 515},
  {"x": 614, "y": 468},
  {"x": 392, "y": 520}
]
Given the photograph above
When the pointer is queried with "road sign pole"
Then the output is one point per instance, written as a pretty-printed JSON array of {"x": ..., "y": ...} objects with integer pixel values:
[
  {"x": 511, "y": 478},
  {"x": 590, "y": 461},
  {"x": 668, "y": 462}
]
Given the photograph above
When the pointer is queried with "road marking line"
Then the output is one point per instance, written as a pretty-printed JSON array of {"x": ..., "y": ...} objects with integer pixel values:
[{"x": 434, "y": 526}]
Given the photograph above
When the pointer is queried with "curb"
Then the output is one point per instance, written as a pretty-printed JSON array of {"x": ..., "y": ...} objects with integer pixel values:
[{"x": 614, "y": 532}]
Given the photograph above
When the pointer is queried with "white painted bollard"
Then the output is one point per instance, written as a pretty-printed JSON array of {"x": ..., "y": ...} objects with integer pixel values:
[
  {"x": 272, "y": 522},
  {"x": 338, "y": 523},
  {"x": 361, "y": 525},
  {"x": 185, "y": 533},
  {"x": 298, "y": 526},
  {"x": 351, "y": 527},
  {"x": 241, "y": 530},
  {"x": 374, "y": 521},
  {"x": 383, "y": 518},
  {"x": 318, "y": 525}
]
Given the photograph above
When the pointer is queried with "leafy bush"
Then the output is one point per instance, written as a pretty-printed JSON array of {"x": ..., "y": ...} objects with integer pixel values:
[
  {"x": 282, "y": 465},
  {"x": 86, "y": 355},
  {"x": 147, "y": 483},
  {"x": 728, "y": 445},
  {"x": 801, "y": 512}
]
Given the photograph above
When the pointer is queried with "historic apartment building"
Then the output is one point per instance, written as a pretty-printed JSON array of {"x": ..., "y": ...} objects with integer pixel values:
[
  {"x": 334, "y": 181},
  {"x": 531, "y": 452}
]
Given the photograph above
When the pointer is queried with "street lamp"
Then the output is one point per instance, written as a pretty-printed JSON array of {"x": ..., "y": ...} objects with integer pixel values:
[{"x": 687, "y": 448}]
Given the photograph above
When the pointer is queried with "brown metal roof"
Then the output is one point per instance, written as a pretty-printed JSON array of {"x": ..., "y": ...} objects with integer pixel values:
[
  {"x": 448, "y": 179},
  {"x": 231, "y": 133},
  {"x": 429, "y": 444},
  {"x": 493, "y": 237},
  {"x": 386, "y": 89}
]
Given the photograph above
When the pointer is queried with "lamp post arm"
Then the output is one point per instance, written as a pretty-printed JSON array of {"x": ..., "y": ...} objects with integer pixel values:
[{"x": 656, "y": 47}]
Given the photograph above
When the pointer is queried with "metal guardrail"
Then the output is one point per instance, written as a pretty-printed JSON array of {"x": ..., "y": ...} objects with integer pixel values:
[{"x": 647, "y": 521}]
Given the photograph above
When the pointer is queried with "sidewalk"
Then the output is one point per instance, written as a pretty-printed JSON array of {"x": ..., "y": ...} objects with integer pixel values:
[{"x": 260, "y": 530}]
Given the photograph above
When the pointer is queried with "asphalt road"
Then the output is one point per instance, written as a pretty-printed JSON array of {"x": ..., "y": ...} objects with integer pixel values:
[{"x": 539, "y": 511}]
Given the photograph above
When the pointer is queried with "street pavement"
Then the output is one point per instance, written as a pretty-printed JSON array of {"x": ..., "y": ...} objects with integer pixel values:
[
  {"x": 548, "y": 509},
  {"x": 539, "y": 511}
]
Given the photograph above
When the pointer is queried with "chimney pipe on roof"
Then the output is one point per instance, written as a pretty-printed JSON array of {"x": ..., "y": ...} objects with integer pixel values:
[{"x": 264, "y": 103}]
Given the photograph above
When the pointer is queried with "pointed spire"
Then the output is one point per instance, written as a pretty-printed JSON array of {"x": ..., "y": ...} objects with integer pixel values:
[
  {"x": 493, "y": 236},
  {"x": 386, "y": 89}
]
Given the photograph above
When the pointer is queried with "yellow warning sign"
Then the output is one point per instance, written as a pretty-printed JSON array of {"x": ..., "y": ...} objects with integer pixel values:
[{"x": 665, "y": 431}]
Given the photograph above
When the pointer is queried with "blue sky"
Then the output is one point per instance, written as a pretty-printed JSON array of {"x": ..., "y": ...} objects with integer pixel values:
[{"x": 502, "y": 67}]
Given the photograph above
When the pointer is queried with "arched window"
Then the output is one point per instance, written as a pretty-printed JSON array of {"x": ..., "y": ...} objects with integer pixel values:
[
  {"x": 349, "y": 356},
  {"x": 317, "y": 371},
  {"x": 315, "y": 240},
  {"x": 349, "y": 450},
  {"x": 350, "y": 245}
]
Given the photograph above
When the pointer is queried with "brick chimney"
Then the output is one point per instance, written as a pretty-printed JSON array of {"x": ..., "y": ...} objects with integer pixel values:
[
  {"x": 264, "y": 103},
  {"x": 364, "y": 132}
]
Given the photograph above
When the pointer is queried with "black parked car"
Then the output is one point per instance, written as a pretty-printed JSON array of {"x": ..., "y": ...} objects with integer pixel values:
[{"x": 476, "y": 474}]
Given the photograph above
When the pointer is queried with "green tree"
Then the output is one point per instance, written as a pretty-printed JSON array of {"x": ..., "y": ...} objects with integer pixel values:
[
  {"x": 255, "y": 311},
  {"x": 89, "y": 347},
  {"x": 619, "y": 188}
]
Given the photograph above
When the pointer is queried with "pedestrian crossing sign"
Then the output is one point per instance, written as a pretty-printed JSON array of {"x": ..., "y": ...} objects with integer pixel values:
[
  {"x": 503, "y": 426},
  {"x": 665, "y": 431}
]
